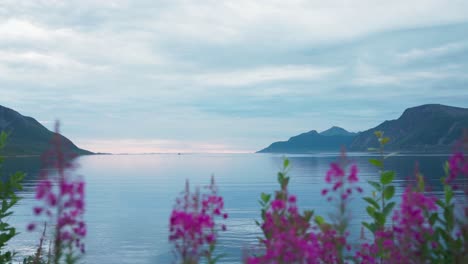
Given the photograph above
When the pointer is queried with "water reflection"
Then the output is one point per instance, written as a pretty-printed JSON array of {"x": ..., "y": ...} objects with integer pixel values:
[{"x": 129, "y": 198}]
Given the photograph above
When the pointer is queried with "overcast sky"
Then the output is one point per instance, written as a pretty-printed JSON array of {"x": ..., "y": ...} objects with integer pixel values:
[{"x": 226, "y": 76}]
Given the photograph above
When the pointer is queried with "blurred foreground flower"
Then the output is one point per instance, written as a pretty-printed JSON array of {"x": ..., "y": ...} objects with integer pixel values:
[
  {"x": 61, "y": 197},
  {"x": 193, "y": 229}
]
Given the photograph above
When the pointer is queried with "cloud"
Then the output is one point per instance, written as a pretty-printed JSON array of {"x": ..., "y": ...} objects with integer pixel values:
[
  {"x": 16, "y": 30},
  {"x": 297, "y": 22},
  {"x": 253, "y": 76},
  {"x": 236, "y": 74},
  {"x": 417, "y": 54},
  {"x": 266, "y": 74},
  {"x": 367, "y": 75}
]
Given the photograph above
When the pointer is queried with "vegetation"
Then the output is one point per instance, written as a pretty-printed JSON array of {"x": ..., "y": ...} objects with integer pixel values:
[
  {"x": 423, "y": 229},
  {"x": 61, "y": 198},
  {"x": 193, "y": 227},
  {"x": 8, "y": 186}
]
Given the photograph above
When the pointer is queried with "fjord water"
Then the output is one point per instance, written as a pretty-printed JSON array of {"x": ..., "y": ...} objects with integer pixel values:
[{"x": 129, "y": 197}]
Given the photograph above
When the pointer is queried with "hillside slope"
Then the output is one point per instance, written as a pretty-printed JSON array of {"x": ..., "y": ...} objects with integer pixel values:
[
  {"x": 27, "y": 136},
  {"x": 431, "y": 127}
]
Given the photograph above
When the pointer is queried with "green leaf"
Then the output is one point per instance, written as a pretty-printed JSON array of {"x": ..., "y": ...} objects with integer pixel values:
[
  {"x": 387, "y": 177},
  {"x": 446, "y": 168},
  {"x": 444, "y": 234},
  {"x": 280, "y": 177},
  {"x": 389, "y": 192},
  {"x": 308, "y": 215},
  {"x": 379, "y": 218},
  {"x": 378, "y": 133},
  {"x": 319, "y": 220},
  {"x": 212, "y": 247},
  {"x": 369, "y": 226},
  {"x": 263, "y": 213},
  {"x": 258, "y": 223},
  {"x": 384, "y": 140},
  {"x": 217, "y": 258},
  {"x": 371, "y": 211},
  {"x": 421, "y": 183},
  {"x": 448, "y": 194},
  {"x": 372, "y": 202},
  {"x": 285, "y": 163},
  {"x": 376, "y": 185},
  {"x": 265, "y": 198},
  {"x": 388, "y": 209},
  {"x": 376, "y": 163},
  {"x": 448, "y": 215},
  {"x": 433, "y": 218},
  {"x": 440, "y": 203}
]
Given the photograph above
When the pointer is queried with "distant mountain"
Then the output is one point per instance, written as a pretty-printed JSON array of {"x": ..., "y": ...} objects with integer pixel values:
[
  {"x": 329, "y": 140},
  {"x": 431, "y": 127},
  {"x": 337, "y": 131},
  {"x": 425, "y": 128},
  {"x": 27, "y": 136}
]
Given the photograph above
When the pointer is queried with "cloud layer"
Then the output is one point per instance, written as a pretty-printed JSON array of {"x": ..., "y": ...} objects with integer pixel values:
[{"x": 217, "y": 76}]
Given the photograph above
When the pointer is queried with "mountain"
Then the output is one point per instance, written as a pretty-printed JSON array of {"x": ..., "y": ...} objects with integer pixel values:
[
  {"x": 27, "y": 136},
  {"x": 329, "y": 140},
  {"x": 431, "y": 127},
  {"x": 337, "y": 131},
  {"x": 427, "y": 128}
]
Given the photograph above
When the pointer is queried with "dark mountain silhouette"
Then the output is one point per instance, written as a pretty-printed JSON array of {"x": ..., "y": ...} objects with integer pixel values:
[
  {"x": 425, "y": 128},
  {"x": 337, "y": 131},
  {"x": 27, "y": 136},
  {"x": 431, "y": 127},
  {"x": 329, "y": 140}
]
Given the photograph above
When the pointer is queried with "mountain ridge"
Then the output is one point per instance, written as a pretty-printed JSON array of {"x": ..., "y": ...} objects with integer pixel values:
[
  {"x": 423, "y": 128},
  {"x": 328, "y": 140},
  {"x": 429, "y": 127},
  {"x": 29, "y": 137},
  {"x": 337, "y": 131}
]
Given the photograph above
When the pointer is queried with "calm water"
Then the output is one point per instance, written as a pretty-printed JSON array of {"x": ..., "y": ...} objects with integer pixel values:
[{"x": 129, "y": 198}]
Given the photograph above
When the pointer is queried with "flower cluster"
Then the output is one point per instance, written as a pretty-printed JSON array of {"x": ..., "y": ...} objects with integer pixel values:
[
  {"x": 409, "y": 239},
  {"x": 411, "y": 223},
  {"x": 333, "y": 236},
  {"x": 342, "y": 183},
  {"x": 289, "y": 235},
  {"x": 458, "y": 165},
  {"x": 62, "y": 201},
  {"x": 192, "y": 223}
]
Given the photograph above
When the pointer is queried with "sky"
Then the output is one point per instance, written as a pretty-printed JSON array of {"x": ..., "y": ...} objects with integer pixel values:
[{"x": 129, "y": 76}]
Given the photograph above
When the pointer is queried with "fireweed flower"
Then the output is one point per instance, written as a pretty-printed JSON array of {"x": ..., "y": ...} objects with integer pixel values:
[
  {"x": 192, "y": 226},
  {"x": 408, "y": 240},
  {"x": 458, "y": 166},
  {"x": 343, "y": 185},
  {"x": 61, "y": 201},
  {"x": 289, "y": 236},
  {"x": 340, "y": 182}
]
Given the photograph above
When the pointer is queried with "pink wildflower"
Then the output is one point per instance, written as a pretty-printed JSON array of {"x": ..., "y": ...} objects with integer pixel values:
[
  {"x": 62, "y": 198},
  {"x": 336, "y": 176},
  {"x": 192, "y": 223},
  {"x": 405, "y": 240}
]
